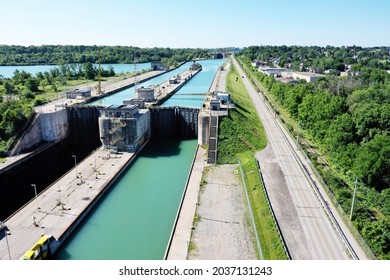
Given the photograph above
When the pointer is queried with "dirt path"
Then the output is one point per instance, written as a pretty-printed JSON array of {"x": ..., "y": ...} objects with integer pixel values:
[{"x": 223, "y": 231}]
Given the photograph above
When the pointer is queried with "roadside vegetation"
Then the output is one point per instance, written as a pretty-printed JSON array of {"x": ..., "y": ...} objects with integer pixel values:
[
  {"x": 344, "y": 127},
  {"x": 241, "y": 135}
]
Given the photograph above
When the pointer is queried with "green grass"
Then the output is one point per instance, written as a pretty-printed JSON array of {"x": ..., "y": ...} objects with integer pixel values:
[
  {"x": 242, "y": 131},
  {"x": 270, "y": 242},
  {"x": 241, "y": 136}
]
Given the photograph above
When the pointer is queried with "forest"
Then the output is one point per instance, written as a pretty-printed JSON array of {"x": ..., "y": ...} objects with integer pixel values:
[
  {"x": 60, "y": 54},
  {"x": 347, "y": 121}
]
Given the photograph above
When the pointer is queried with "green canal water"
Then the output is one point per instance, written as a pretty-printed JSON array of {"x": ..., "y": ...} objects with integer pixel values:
[{"x": 135, "y": 218}]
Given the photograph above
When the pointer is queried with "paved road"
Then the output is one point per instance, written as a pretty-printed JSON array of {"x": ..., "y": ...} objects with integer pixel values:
[{"x": 305, "y": 226}]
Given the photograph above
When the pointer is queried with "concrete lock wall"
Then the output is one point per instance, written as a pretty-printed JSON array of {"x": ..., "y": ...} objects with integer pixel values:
[
  {"x": 30, "y": 137},
  {"x": 54, "y": 125},
  {"x": 46, "y": 127},
  {"x": 143, "y": 125},
  {"x": 40, "y": 168},
  {"x": 204, "y": 128},
  {"x": 104, "y": 127}
]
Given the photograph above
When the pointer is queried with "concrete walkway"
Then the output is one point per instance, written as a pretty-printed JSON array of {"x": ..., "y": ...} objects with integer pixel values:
[
  {"x": 60, "y": 206},
  {"x": 182, "y": 234},
  {"x": 164, "y": 90}
]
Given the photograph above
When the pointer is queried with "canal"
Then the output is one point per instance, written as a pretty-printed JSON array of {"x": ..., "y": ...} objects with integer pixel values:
[{"x": 135, "y": 218}]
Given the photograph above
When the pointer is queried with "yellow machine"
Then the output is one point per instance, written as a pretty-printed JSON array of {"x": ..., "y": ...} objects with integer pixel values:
[{"x": 43, "y": 249}]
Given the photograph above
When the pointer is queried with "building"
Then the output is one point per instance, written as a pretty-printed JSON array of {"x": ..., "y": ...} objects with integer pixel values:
[
  {"x": 259, "y": 63},
  {"x": 157, "y": 66},
  {"x": 124, "y": 128},
  {"x": 174, "y": 80},
  {"x": 78, "y": 94},
  {"x": 145, "y": 93},
  {"x": 218, "y": 100},
  {"x": 215, "y": 104},
  {"x": 270, "y": 71},
  {"x": 308, "y": 77},
  {"x": 224, "y": 96},
  {"x": 287, "y": 80},
  {"x": 135, "y": 101},
  {"x": 195, "y": 66}
]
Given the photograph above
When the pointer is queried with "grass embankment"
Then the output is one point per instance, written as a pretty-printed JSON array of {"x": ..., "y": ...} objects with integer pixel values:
[{"x": 241, "y": 136}]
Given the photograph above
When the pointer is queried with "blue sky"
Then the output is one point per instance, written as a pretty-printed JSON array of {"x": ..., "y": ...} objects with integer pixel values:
[{"x": 195, "y": 23}]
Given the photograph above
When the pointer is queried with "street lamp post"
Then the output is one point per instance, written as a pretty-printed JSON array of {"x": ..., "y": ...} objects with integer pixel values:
[
  {"x": 75, "y": 164},
  {"x": 6, "y": 239},
  {"x": 353, "y": 198},
  {"x": 36, "y": 195}
]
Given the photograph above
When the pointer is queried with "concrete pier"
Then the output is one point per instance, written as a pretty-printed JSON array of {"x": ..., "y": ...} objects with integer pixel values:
[
  {"x": 165, "y": 90},
  {"x": 178, "y": 246},
  {"x": 62, "y": 206}
]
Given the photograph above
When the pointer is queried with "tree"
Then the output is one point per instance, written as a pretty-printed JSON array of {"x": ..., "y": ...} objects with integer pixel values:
[
  {"x": 89, "y": 71},
  {"x": 32, "y": 84},
  {"x": 9, "y": 89},
  {"x": 372, "y": 163}
]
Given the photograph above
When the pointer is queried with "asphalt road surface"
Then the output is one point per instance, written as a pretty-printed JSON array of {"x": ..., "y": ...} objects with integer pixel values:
[{"x": 306, "y": 228}]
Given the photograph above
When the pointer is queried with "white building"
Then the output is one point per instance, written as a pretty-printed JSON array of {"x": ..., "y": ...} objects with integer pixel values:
[
  {"x": 270, "y": 71},
  {"x": 308, "y": 77},
  {"x": 145, "y": 93},
  {"x": 78, "y": 94}
]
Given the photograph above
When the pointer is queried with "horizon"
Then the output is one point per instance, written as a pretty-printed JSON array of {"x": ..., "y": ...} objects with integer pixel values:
[
  {"x": 196, "y": 24},
  {"x": 211, "y": 48}
]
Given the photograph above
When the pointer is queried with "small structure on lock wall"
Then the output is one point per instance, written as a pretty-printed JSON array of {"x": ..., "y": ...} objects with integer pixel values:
[{"x": 124, "y": 128}]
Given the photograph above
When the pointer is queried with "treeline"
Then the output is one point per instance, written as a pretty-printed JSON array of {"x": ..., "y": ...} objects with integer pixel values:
[
  {"x": 68, "y": 54},
  {"x": 349, "y": 120},
  {"x": 320, "y": 59}
]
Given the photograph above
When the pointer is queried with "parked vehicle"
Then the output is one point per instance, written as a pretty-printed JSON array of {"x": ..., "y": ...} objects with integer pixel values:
[{"x": 43, "y": 249}]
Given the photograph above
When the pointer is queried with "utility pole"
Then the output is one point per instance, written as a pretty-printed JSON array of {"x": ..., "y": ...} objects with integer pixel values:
[
  {"x": 6, "y": 239},
  {"x": 297, "y": 136},
  {"x": 36, "y": 195},
  {"x": 100, "y": 79},
  {"x": 75, "y": 165},
  {"x": 353, "y": 198},
  {"x": 135, "y": 74}
]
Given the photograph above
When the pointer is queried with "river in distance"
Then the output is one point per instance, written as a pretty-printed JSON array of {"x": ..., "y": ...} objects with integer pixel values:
[{"x": 8, "y": 71}]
